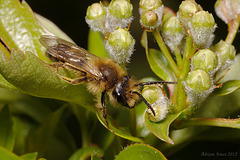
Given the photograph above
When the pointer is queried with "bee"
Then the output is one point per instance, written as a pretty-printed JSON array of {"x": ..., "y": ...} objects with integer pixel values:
[{"x": 101, "y": 75}]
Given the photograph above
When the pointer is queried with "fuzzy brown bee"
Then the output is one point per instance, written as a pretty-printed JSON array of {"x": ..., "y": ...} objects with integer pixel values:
[{"x": 101, "y": 75}]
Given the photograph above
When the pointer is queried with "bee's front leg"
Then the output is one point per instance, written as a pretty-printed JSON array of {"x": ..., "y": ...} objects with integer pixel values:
[
  {"x": 104, "y": 110},
  {"x": 104, "y": 107}
]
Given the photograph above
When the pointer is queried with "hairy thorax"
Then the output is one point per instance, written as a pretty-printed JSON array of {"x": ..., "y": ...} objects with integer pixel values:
[{"x": 111, "y": 74}]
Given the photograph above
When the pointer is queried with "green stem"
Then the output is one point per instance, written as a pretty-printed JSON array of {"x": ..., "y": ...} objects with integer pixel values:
[
  {"x": 186, "y": 57},
  {"x": 181, "y": 95},
  {"x": 165, "y": 52},
  {"x": 178, "y": 57},
  {"x": 233, "y": 28}
]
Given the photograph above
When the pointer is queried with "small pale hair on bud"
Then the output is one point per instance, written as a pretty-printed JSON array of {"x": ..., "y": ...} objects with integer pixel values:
[
  {"x": 206, "y": 60},
  {"x": 119, "y": 14},
  {"x": 120, "y": 45},
  {"x": 198, "y": 85},
  {"x": 202, "y": 27},
  {"x": 225, "y": 53},
  {"x": 95, "y": 17},
  {"x": 186, "y": 10},
  {"x": 147, "y": 11},
  {"x": 172, "y": 32}
]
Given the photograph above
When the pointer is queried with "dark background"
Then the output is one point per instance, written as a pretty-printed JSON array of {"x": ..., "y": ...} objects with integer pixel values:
[{"x": 69, "y": 16}]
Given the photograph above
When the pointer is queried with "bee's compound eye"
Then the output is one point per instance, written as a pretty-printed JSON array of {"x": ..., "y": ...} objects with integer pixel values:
[{"x": 119, "y": 91}]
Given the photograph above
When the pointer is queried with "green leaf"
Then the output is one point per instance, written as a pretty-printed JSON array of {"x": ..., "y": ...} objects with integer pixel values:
[
  {"x": 159, "y": 65},
  {"x": 96, "y": 45},
  {"x": 24, "y": 129},
  {"x": 144, "y": 41},
  {"x": 8, "y": 155},
  {"x": 227, "y": 88},
  {"x": 140, "y": 152},
  {"x": 30, "y": 156},
  {"x": 218, "y": 122},
  {"x": 161, "y": 129},
  {"x": 121, "y": 132},
  {"x": 19, "y": 28},
  {"x": 7, "y": 135},
  {"x": 46, "y": 130},
  {"x": 86, "y": 152},
  {"x": 5, "y": 84}
]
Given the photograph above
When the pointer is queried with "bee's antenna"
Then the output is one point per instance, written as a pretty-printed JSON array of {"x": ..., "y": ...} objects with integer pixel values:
[
  {"x": 145, "y": 101},
  {"x": 154, "y": 82}
]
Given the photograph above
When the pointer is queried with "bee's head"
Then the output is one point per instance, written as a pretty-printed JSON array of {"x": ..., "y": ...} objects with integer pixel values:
[{"x": 120, "y": 91}]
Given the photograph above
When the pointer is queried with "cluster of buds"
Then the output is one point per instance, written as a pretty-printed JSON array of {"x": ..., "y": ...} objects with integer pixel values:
[
  {"x": 154, "y": 94},
  {"x": 151, "y": 12},
  {"x": 200, "y": 23},
  {"x": 109, "y": 21},
  {"x": 205, "y": 64}
]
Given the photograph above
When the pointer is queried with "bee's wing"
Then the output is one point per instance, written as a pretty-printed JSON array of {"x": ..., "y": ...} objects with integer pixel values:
[{"x": 70, "y": 53}]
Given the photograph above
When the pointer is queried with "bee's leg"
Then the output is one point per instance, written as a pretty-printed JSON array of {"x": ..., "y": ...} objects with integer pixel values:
[
  {"x": 73, "y": 81},
  {"x": 104, "y": 108}
]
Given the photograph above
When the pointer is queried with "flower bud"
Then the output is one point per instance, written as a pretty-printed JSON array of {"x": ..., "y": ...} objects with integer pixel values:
[
  {"x": 198, "y": 85},
  {"x": 151, "y": 12},
  {"x": 161, "y": 112},
  {"x": 186, "y": 10},
  {"x": 205, "y": 60},
  {"x": 95, "y": 17},
  {"x": 227, "y": 10},
  {"x": 225, "y": 53},
  {"x": 95, "y": 11},
  {"x": 172, "y": 32},
  {"x": 119, "y": 14},
  {"x": 198, "y": 81},
  {"x": 151, "y": 93},
  {"x": 202, "y": 28},
  {"x": 149, "y": 19},
  {"x": 120, "y": 45},
  {"x": 150, "y": 4},
  {"x": 120, "y": 8},
  {"x": 158, "y": 101}
]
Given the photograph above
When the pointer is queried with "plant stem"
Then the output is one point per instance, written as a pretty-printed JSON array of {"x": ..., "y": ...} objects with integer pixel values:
[
  {"x": 181, "y": 95},
  {"x": 232, "y": 30},
  {"x": 165, "y": 52},
  {"x": 186, "y": 57},
  {"x": 178, "y": 57}
]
